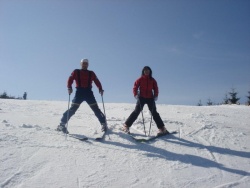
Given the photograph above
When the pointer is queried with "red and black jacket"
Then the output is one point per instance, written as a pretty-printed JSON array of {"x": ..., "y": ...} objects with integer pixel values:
[
  {"x": 147, "y": 86},
  {"x": 83, "y": 79}
]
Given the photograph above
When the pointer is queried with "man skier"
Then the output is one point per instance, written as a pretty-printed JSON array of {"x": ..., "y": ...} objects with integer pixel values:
[{"x": 83, "y": 79}]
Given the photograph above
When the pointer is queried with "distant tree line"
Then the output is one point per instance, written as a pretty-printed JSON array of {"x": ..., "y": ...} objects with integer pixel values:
[
  {"x": 230, "y": 98},
  {"x": 4, "y": 95}
]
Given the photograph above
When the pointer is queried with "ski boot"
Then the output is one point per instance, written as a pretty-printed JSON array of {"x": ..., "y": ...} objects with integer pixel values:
[
  {"x": 162, "y": 131},
  {"x": 104, "y": 127},
  {"x": 62, "y": 128},
  {"x": 125, "y": 128}
]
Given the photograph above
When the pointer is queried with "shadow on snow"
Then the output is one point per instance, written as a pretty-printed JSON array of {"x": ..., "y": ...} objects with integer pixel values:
[{"x": 184, "y": 158}]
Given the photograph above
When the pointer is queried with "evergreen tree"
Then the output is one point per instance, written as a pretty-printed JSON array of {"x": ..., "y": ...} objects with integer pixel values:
[
  {"x": 209, "y": 102},
  {"x": 233, "y": 99},
  {"x": 226, "y": 100},
  {"x": 199, "y": 104},
  {"x": 4, "y": 95},
  {"x": 248, "y": 102}
]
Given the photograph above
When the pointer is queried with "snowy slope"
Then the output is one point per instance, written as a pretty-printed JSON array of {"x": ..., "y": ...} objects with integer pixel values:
[{"x": 211, "y": 148}]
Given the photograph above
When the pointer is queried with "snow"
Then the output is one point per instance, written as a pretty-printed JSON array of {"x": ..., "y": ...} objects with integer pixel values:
[{"x": 211, "y": 148}]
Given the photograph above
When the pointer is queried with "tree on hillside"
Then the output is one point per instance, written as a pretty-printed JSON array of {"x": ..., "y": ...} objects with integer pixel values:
[
  {"x": 209, "y": 102},
  {"x": 225, "y": 100},
  {"x": 199, "y": 104},
  {"x": 248, "y": 102},
  {"x": 233, "y": 99},
  {"x": 4, "y": 95}
]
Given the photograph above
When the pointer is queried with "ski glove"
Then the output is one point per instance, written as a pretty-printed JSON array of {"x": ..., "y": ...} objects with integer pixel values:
[
  {"x": 101, "y": 91},
  {"x": 136, "y": 97},
  {"x": 70, "y": 90},
  {"x": 156, "y": 98}
]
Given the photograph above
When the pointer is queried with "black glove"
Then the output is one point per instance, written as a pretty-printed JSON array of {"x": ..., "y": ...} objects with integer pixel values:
[
  {"x": 101, "y": 91},
  {"x": 70, "y": 90}
]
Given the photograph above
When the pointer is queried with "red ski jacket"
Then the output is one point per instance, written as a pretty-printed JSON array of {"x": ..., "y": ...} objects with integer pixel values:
[
  {"x": 147, "y": 86},
  {"x": 83, "y": 79}
]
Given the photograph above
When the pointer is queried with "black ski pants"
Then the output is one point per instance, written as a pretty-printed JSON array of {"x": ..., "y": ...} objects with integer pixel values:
[
  {"x": 139, "y": 107},
  {"x": 80, "y": 96}
]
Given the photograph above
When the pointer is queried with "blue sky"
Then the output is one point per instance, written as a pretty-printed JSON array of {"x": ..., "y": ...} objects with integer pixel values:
[{"x": 197, "y": 49}]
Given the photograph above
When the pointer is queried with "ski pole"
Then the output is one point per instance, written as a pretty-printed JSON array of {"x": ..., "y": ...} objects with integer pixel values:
[
  {"x": 67, "y": 116},
  {"x": 152, "y": 111},
  {"x": 103, "y": 108},
  {"x": 142, "y": 116},
  {"x": 105, "y": 115},
  {"x": 104, "y": 111}
]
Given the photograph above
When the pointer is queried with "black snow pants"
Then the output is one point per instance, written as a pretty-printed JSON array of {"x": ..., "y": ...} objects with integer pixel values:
[{"x": 139, "y": 106}]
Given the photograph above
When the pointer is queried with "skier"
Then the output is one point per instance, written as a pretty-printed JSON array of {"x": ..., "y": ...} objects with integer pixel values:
[
  {"x": 145, "y": 90},
  {"x": 83, "y": 79},
  {"x": 25, "y": 95}
]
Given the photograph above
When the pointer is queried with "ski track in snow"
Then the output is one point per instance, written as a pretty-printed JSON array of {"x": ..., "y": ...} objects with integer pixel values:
[
  {"x": 24, "y": 171},
  {"x": 210, "y": 149}
]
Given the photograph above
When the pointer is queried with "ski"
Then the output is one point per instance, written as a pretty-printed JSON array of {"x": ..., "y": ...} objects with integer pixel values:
[
  {"x": 151, "y": 138},
  {"x": 78, "y": 137}
]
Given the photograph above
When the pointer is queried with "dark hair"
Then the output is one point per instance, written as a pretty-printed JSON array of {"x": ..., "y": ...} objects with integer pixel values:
[{"x": 150, "y": 71}]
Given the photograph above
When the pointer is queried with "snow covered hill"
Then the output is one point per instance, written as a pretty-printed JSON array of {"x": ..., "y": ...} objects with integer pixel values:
[{"x": 211, "y": 148}]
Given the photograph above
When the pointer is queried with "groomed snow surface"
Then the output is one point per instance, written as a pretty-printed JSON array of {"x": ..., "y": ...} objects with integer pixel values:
[{"x": 210, "y": 150}]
